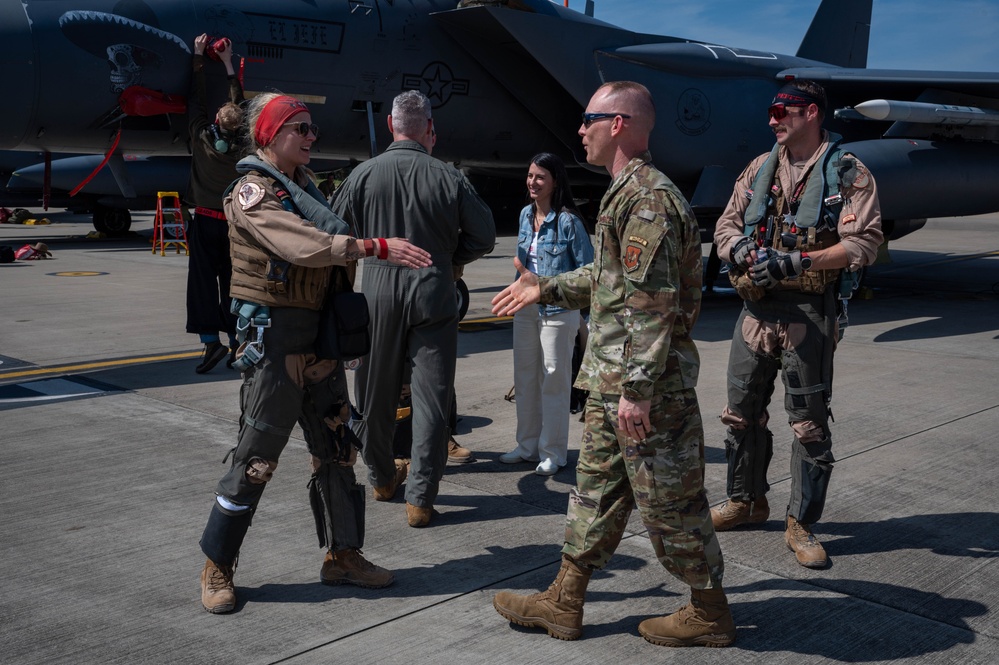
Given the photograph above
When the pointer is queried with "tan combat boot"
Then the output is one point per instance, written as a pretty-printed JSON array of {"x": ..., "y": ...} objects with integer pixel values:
[
  {"x": 705, "y": 621},
  {"x": 559, "y": 610},
  {"x": 218, "y": 595},
  {"x": 806, "y": 547},
  {"x": 387, "y": 492},
  {"x": 418, "y": 516},
  {"x": 735, "y": 513},
  {"x": 349, "y": 567},
  {"x": 456, "y": 454}
]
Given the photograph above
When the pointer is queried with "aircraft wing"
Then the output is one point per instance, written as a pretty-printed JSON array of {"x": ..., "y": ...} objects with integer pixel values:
[{"x": 977, "y": 83}]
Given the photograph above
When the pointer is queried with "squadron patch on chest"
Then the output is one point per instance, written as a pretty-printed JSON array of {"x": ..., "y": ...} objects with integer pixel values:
[
  {"x": 632, "y": 257},
  {"x": 250, "y": 194}
]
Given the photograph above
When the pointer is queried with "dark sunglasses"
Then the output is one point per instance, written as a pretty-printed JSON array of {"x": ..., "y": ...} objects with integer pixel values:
[
  {"x": 303, "y": 128},
  {"x": 779, "y": 111},
  {"x": 589, "y": 118}
]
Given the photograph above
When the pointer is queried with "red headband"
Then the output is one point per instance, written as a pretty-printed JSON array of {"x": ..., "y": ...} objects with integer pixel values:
[{"x": 274, "y": 115}]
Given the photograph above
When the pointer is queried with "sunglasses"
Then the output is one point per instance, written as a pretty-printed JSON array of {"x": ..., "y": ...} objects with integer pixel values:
[
  {"x": 780, "y": 111},
  {"x": 303, "y": 128},
  {"x": 590, "y": 118}
]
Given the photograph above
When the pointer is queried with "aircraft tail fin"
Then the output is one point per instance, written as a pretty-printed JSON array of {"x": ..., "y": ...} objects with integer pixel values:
[{"x": 840, "y": 33}]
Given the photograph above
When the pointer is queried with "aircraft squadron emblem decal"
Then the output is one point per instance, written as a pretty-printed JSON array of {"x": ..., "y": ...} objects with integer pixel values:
[
  {"x": 250, "y": 194},
  {"x": 693, "y": 112}
]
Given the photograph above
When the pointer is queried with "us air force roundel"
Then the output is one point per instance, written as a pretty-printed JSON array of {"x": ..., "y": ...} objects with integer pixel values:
[{"x": 250, "y": 194}]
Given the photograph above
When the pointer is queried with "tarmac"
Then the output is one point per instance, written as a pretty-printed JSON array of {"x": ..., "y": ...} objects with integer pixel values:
[{"x": 112, "y": 445}]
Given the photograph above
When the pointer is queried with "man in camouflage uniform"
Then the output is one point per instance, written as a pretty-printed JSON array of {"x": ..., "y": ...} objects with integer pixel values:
[
  {"x": 643, "y": 442},
  {"x": 816, "y": 210}
]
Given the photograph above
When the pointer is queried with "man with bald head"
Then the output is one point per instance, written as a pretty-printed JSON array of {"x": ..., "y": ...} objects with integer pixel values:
[{"x": 643, "y": 441}]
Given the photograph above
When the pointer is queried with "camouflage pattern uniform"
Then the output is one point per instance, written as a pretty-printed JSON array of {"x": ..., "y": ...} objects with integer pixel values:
[{"x": 644, "y": 291}]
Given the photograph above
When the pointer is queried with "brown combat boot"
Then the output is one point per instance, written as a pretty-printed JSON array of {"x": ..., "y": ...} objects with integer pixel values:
[
  {"x": 387, "y": 492},
  {"x": 806, "y": 547},
  {"x": 735, "y": 513},
  {"x": 218, "y": 595},
  {"x": 349, "y": 567},
  {"x": 456, "y": 454},
  {"x": 559, "y": 610},
  {"x": 705, "y": 621},
  {"x": 418, "y": 516}
]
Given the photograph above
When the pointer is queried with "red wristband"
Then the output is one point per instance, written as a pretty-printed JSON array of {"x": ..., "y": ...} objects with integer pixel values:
[
  {"x": 369, "y": 247},
  {"x": 382, "y": 248}
]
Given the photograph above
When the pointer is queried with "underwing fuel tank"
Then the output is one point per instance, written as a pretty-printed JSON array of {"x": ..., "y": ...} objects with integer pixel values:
[
  {"x": 17, "y": 59},
  {"x": 952, "y": 175}
]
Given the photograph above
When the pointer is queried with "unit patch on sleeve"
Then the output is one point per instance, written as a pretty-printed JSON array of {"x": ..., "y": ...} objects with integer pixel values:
[
  {"x": 863, "y": 178},
  {"x": 632, "y": 256},
  {"x": 250, "y": 194}
]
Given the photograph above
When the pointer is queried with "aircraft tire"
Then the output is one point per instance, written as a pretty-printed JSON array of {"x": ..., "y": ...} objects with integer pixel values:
[
  {"x": 461, "y": 292},
  {"x": 112, "y": 221}
]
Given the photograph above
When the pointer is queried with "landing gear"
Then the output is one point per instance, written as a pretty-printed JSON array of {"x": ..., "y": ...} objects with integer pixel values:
[
  {"x": 461, "y": 292},
  {"x": 112, "y": 221}
]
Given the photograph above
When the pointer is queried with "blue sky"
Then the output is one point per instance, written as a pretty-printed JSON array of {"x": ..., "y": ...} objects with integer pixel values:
[{"x": 959, "y": 35}]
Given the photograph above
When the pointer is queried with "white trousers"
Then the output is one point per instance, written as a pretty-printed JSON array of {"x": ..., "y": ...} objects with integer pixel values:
[{"x": 542, "y": 379}]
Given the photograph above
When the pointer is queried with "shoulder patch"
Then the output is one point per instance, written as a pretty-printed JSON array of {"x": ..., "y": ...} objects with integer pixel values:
[
  {"x": 863, "y": 178},
  {"x": 632, "y": 257},
  {"x": 250, "y": 194}
]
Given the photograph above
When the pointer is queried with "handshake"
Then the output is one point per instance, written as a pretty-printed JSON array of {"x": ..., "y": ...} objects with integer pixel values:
[{"x": 773, "y": 267}]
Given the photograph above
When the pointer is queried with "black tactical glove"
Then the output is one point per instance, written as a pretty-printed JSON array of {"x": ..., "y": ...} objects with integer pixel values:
[
  {"x": 777, "y": 267},
  {"x": 740, "y": 253}
]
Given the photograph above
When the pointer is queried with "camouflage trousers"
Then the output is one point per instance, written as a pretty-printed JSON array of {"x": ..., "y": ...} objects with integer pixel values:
[{"x": 663, "y": 476}]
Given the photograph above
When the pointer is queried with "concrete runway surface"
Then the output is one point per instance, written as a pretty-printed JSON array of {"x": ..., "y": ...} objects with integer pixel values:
[{"x": 112, "y": 446}]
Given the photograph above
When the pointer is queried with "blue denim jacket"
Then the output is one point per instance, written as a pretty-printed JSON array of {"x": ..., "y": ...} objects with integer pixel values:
[{"x": 562, "y": 246}]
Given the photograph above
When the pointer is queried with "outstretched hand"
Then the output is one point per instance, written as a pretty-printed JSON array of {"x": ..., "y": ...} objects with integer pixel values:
[
  {"x": 525, "y": 291},
  {"x": 401, "y": 252}
]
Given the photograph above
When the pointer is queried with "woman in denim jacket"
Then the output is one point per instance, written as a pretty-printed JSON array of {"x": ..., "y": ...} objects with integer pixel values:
[{"x": 552, "y": 240}]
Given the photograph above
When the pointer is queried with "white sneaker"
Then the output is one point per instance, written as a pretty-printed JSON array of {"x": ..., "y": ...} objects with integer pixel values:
[
  {"x": 512, "y": 457},
  {"x": 548, "y": 467}
]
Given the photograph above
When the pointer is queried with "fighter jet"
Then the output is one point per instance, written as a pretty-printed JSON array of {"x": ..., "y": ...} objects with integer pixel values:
[{"x": 507, "y": 79}]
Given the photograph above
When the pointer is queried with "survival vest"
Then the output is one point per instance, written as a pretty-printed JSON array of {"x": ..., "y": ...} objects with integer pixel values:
[
  {"x": 261, "y": 278},
  {"x": 817, "y": 215}
]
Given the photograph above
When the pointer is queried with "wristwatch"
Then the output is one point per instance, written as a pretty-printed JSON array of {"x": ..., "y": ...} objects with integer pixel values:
[{"x": 806, "y": 261}]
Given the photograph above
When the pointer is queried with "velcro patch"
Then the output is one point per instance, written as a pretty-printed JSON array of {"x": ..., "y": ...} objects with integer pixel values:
[
  {"x": 863, "y": 178},
  {"x": 250, "y": 194},
  {"x": 848, "y": 219},
  {"x": 632, "y": 257}
]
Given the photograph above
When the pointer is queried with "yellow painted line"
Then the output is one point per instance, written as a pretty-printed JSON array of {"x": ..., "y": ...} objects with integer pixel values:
[
  {"x": 62, "y": 369},
  {"x": 123, "y": 362}
]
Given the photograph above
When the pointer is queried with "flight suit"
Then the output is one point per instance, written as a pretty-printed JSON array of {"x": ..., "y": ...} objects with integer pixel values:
[
  {"x": 404, "y": 192},
  {"x": 794, "y": 332}
]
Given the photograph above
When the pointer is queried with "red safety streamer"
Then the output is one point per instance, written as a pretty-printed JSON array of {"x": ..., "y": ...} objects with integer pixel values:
[{"x": 114, "y": 145}]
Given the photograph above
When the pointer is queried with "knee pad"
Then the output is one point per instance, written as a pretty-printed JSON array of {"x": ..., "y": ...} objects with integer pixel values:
[{"x": 260, "y": 471}]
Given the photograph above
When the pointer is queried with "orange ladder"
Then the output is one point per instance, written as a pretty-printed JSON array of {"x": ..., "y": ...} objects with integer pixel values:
[{"x": 169, "y": 221}]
